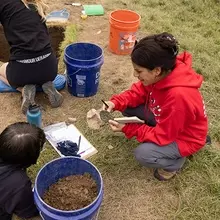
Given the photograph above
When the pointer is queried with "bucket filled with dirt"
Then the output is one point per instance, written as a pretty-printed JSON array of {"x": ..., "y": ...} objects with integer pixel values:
[{"x": 68, "y": 188}]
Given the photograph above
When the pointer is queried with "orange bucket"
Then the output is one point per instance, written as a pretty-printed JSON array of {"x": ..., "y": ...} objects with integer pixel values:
[{"x": 123, "y": 29}]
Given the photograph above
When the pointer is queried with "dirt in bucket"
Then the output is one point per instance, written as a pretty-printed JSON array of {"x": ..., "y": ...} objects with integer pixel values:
[{"x": 72, "y": 192}]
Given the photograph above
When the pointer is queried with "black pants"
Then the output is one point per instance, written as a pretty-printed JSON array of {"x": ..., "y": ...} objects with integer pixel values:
[
  {"x": 142, "y": 113},
  {"x": 21, "y": 74}
]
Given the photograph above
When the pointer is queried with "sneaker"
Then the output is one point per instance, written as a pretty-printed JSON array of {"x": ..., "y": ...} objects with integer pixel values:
[
  {"x": 55, "y": 98},
  {"x": 163, "y": 175},
  {"x": 28, "y": 96}
]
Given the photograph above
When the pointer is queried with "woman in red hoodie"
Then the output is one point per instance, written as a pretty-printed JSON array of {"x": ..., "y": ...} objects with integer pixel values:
[{"x": 167, "y": 97}]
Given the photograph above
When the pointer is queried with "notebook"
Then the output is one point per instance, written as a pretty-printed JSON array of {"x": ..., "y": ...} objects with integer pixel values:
[{"x": 56, "y": 133}]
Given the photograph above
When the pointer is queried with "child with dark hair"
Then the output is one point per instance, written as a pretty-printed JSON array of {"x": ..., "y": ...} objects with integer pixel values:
[
  {"x": 167, "y": 97},
  {"x": 20, "y": 146}
]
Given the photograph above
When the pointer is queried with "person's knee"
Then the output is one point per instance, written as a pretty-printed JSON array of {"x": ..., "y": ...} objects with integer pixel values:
[
  {"x": 3, "y": 69},
  {"x": 143, "y": 154}
]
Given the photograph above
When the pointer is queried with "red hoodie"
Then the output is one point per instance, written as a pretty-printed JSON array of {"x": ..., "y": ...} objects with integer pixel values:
[{"x": 177, "y": 105}]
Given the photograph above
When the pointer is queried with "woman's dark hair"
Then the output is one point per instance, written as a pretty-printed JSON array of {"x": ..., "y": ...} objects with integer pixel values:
[
  {"x": 156, "y": 51},
  {"x": 21, "y": 143}
]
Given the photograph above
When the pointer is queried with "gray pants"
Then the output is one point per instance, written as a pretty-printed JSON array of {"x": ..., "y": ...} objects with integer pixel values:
[{"x": 150, "y": 154}]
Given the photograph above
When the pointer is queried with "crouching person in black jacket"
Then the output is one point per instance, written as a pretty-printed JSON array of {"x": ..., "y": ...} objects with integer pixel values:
[{"x": 20, "y": 147}]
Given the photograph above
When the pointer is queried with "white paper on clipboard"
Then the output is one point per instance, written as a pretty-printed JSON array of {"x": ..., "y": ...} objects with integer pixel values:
[{"x": 61, "y": 132}]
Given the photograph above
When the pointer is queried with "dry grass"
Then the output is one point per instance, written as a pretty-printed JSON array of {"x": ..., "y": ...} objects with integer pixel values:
[{"x": 130, "y": 190}]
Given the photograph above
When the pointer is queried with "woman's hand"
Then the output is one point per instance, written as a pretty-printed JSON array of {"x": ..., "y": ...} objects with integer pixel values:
[
  {"x": 110, "y": 107},
  {"x": 115, "y": 126}
]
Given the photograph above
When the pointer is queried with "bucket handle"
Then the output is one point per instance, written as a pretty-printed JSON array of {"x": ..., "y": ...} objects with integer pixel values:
[
  {"x": 41, "y": 216},
  {"x": 75, "y": 72}
]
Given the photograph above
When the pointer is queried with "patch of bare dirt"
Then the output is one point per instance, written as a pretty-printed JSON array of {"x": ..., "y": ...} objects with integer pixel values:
[
  {"x": 4, "y": 54},
  {"x": 116, "y": 73}
]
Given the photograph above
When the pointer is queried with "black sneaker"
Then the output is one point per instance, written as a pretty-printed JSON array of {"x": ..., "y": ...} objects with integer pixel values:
[
  {"x": 28, "y": 96},
  {"x": 55, "y": 98}
]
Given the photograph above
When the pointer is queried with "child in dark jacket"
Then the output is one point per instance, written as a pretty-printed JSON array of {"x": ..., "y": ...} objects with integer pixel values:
[
  {"x": 20, "y": 146},
  {"x": 167, "y": 97}
]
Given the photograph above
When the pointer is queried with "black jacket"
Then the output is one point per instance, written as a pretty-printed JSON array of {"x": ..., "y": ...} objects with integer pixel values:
[{"x": 16, "y": 196}]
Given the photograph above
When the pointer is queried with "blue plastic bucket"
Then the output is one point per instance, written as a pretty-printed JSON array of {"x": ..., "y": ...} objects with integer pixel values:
[
  {"x": 83, "y": 64},
  {"x": 63, "y": 167}
]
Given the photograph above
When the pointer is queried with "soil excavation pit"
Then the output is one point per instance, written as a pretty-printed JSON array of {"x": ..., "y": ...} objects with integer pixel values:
[{"x": 56, "y": 32}]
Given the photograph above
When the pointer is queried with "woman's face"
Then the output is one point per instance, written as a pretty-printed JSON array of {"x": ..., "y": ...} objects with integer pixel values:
[{"x": 146, "y": 76}]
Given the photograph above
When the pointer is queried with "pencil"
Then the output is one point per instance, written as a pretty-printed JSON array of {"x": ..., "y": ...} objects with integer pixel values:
[
  {"x": 79, "y": 141},
  {"x": 106, "y": 105}
]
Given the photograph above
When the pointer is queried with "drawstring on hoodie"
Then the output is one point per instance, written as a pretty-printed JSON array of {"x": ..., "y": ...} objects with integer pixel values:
[{"x": 147, "y": 104}]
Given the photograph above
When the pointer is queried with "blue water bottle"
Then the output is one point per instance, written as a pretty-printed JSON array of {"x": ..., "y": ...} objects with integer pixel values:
[{"x": 34, "y": 115}]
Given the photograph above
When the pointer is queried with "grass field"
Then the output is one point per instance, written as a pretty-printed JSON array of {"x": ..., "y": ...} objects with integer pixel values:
[{"x": 130, "y": 190}]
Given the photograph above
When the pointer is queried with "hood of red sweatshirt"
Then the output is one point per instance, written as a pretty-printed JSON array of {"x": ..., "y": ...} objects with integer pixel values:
[{"x": 182, "y": 76}]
